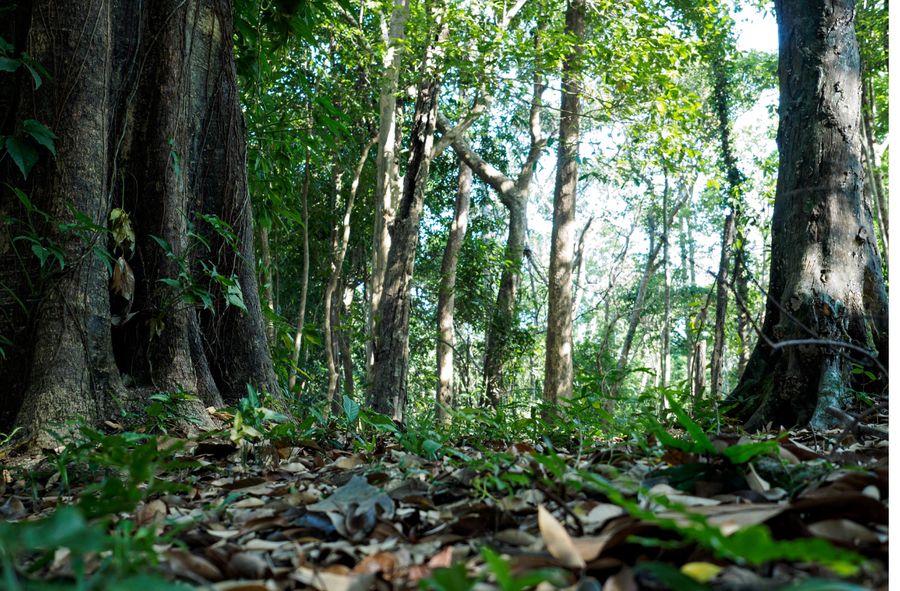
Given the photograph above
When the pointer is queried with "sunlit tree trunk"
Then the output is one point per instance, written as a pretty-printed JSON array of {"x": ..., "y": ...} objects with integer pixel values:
[
  {"x": 389, "y": 391},
  {"x": 304, "y": 277},
  {"x": 558, "y": 361},
  {"x": 387, "y": 181},
  {"x": 825, "y": 279},
  {"x": 513, "y": 193},
  {"x": 447, "y": 291}
]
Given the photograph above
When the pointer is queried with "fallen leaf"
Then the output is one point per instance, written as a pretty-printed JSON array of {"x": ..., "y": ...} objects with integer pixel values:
[{"x": 556, "y": 538}]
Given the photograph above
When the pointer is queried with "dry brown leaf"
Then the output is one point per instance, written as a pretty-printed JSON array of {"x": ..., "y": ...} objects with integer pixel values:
[
  {"x": 755, "y": 481},
  {"x": 248, "y": 565},
  {"x": 556, "y": 538},
  {"x": 382, "y": 562},
  {"x": 844, "y": 530},
  {"x": 325, "y": 581},
  {"x": 191, "y": 566},
  {"x": 621, "y": 581},
  {"x": 442, "y": 559},
  {"x": 350, "y": 462}
]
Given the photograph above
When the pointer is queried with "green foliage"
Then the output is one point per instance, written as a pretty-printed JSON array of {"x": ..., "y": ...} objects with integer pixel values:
[
  {"x": 120, "y": 471},
  {"x": 166, "y": 410}
]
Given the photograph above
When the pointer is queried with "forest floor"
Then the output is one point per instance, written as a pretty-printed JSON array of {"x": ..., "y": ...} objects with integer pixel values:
[{"x": 340, "y": 511}]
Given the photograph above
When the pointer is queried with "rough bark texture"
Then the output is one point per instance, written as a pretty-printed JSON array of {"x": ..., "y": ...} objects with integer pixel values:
[
  {"x": 558, "y": 365},
  {"x": 387, "y": 184},
  {"x": 143, "y": 99},
  {"x": 825, "y": 275},
  {"x": 389, "y": 390},
  {"x": 447, "y": 291}
]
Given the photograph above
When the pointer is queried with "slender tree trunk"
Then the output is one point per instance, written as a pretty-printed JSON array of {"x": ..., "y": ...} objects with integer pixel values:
[
  {"x": 268, "y": 288},
  {"x": 138, "y": 131},
  {"x": 558, "y": 365},
  {"x": 722, "y": 282},
  {"x": 344, "y": 344},
  {"x": 825, "y": 276},
  {"x": 665, "y": 368},
  {"x": 503, "y": 317},
  {"x": 447, "y": 291},
  {"x": 387, "y": 183},
  {"x": 514, "y": 196},
  {"x": 304, "y": 277},
  {"x": 392, "y": 346},
  {"x": 340, "y": 240},
  {"x": 873, "y": 168}
]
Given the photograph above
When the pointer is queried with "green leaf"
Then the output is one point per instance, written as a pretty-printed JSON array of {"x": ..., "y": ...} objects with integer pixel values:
[
  {"x": 691, "y": 427},
  {"x": 9, "y": 65},
  {"x": 41, "y": 134},
  {"x": 454, "y": 578},
  {"x": 22, "y": 153},
  {"x": 351, "y": 409},
  {"x": 740, "y": 454},
  {"x": 669, "y": 576}
]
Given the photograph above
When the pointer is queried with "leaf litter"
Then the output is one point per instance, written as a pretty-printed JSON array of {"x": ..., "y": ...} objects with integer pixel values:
[{"x": 800, "y": 510}]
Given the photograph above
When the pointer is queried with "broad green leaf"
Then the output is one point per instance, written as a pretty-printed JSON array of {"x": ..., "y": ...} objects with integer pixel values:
[
  {"x": 41, "y": 134},
  {"x": 351, "y": 409},
  {"x": 454, "y": 578},
  {"x": 739, "y": 454},
  {"x": 23, "y": 154},
  {"x": 9, "y": 65}
]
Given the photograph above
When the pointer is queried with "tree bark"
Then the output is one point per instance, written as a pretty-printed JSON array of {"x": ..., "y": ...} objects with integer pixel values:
[
  {"x": 664, "y": 364},
  {"x": 717, "y": 360},
  {"x": 558, "y": 364},
  {"x": 389, "y": 390},
  {"x": 447, "y": 291},
  {"x": 143, "y": 100},
  {"x": 825, "y": 275},
  {"x": 387, "y": 181}
]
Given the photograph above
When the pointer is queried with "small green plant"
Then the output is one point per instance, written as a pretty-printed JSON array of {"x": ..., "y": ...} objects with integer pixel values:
[{"x": 165, "y": 410}]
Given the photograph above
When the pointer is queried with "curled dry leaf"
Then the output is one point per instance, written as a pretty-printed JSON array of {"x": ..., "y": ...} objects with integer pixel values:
[{"x": 556, "y": 538}]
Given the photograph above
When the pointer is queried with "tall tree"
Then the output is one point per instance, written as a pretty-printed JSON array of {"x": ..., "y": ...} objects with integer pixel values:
[
  {"x": 447, "y": 290},
  {"x": 387, "y": 183},
  {"x": 513, "y": 194},
  {"x": 389, "y": 389},
  {"x": 150, "y": 140},
  {"x": 558, "y": 365},
  {"x": 825, "y": 280}
]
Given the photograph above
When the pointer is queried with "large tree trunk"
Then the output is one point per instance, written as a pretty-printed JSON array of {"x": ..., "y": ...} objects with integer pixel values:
[
  {"x": 387, "y": 183},
  {"x": 389, "y": 390},
  {"x": 825, "y": 276},
  {"x": 447, "y": 291},
  {"x": 558, "y": 365},
  {"x": 143, "y": 100}
]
